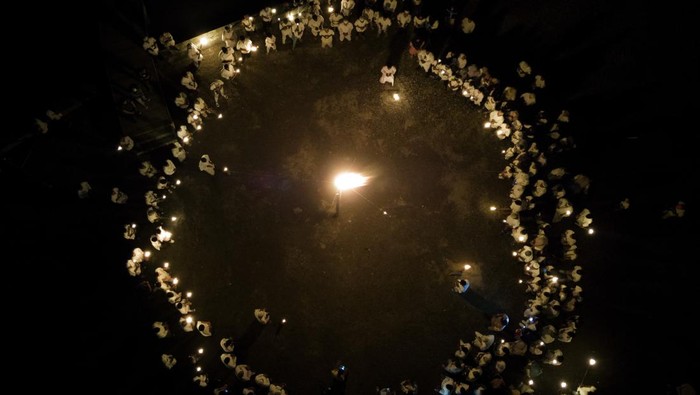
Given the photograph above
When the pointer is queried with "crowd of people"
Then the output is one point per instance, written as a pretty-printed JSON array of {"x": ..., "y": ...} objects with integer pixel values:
[{"x": 545, "y": 216}]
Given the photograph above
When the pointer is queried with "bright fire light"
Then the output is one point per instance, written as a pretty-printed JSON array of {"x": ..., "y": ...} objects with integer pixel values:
[
  {"x": 591, "y": 231},
  {"x": 467, "y": 267},
  {"x": 203, "y": 41},
  {"x": 396, "y": 97},
  {"x": 492, "y": 208},
  {"x": 591, "y": 361},
  {"x": 345, "y": 181}
]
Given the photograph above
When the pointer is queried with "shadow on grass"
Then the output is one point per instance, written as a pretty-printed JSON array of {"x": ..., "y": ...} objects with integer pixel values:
[{"x": 485, "y": 306}]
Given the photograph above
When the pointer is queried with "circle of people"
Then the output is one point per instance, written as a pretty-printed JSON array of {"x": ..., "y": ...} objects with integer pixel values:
[{"x": 542, "y": 196}]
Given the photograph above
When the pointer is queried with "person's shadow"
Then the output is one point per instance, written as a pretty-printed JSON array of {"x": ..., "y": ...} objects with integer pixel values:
[
  {"x": 248, "y": 338},
  {"x": 478, "y": 301}
]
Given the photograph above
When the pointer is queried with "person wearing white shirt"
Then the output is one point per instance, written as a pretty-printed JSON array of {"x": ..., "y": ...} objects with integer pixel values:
[
  {"x": 150, "y": 45},
  {"x": 160, "y": 329},
  {"x": 195, "y": 54},
  {"x": 315, "y": 23},
  {"x": 181, "y": 101},
  {"x": 118, "y": 196},
  {"x": 229, "y": 360},
  {"x": 327, "y": 37},
  {"x": 167, "y": 40},
  {"x": 84, "y": 190},
  {"x": 346, "y": 7},
  {"x": 178, "y": 151},
  {"x": 468, "y": 25},
  {"x": 206, "y": 165},
  {"x": 361, "y": 26},
  {"x": 345, "y": 29},
  {"x": 188, "y": 81},
  {"x": 262, "y": 316},
  {"x": 129, "y": 231},
  {"x": 134, "y": 268},
  {"x": 271, "y": 43},
  {"x": 388, "y": 72},
  {"x": 404, "y": 18},
  {"x": 228, "y": 71},
  {"x": 168, "y": 360},
  {"x": 227, "y": 36},
  {"x": 204, "y": 328}
]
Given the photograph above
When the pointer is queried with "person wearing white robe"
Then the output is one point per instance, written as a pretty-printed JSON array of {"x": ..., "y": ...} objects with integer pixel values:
[
  {"x": 118, "y": 196},
  {"x": 390, "y": 6},
  {"x": 383, "y": 24},
  {"x": 244, "y": 373},
  {"x": 345, "y": 29},
  {"x": 184, "y": 134},
  {"x": 84, "y": 190},
  {"x": 188, "y": 81},
  {"x": 152, "y": 215},
  {"x": 361, "y": 26},
  {"x": 226, "y": 55},
  {"x": 227, "y": 344},
  {"x": 315, "y": 23},
  {"x": 262, "y": 380},
  {"x": 195, "y": 54},
  {"x": 129, "y": 232},
  {"x": 134, "y": 268},
  {"x": 150, "y": 45},
  {"x": 228, "y": 37},
  {"x": 178, "y": 151},
  {"x": 229, "y": 360},
  {"x": 168, "y": 41},
  {"x": 244, "y": 45},
  {"x": 346, "y": 7},
  {"x": 155, "y": 242},
  {"x": 206, "y": 165},
  {"x": 228, "y": 71},
  {"x": 204, "y": 328},
  {"x": 270, "y": 43},
  {"x": 184, "y": 306},
  {"x": 160, "y": 329},
  {"x": 404, "y": 18},
  {"x": 181, "y": 101},
  {"x": 163, "y": 235},
  {"x": 523, "y": 69},
  {"x": 564, "y": 209},
  {"x": 126, "y": 143},
  {"x": 147, "y": 169},
  {"x": 285, "y": 26},
  {"x": 388, "y": 72},
  {"x": 297, "y": 32},
  {"x": 539, "y": 82},
  {"x": 201, "y": 380},
  {"x": 528, "y": 98},
  {"x": 168, "y": 360},
  {"x": 583, "y": 219},
  {"x": 334, "y": 19},
  {"x": 468, "y": 25},
  {"x": 425, "y": 59},
  {"x": 327, "y": 37},
  {"x": 202, "y": 107},
  {"x": 194, "y": 118},
  {"x": 169, "y": 168},
  {"x": 461, "y": 286},
  {"x": 248, "y": 23},
  {"x": 266, "y": 17},
  {"x": 151, "y": 199},
  {"x": 262, "y": 316}
]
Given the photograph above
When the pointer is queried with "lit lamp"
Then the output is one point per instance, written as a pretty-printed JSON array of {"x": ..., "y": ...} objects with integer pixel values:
[
  {"x": 591, "y": 362},
  {"x": 344, "y": 182}
]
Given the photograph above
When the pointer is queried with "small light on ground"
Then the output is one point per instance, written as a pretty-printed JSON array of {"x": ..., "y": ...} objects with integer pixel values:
[
  {"x": 220, "y": 115},
  {"x": 591, "y": 231},
  {"x": 492, "y": 208},
  {"x": 189, "y": 294},
  {"x": 396, "y": 97},
  {"x": 175, "y": 281},
  {"x": 201, "y": 351},
  {"x": 563, "y": 384},
  {"x": 203, "y": 41}
]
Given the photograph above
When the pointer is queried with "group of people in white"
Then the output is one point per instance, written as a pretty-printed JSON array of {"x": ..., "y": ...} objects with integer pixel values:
[{"x": 545, "y": 201}]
